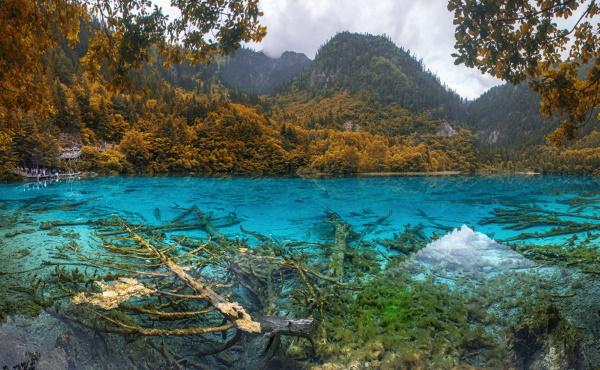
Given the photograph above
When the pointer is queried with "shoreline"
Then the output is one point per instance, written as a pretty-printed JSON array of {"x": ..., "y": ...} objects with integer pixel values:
[
  {"x": 391, "y": 174},
  {"x": 22, "y": 177},
  {"x": 55, "y": 176}
]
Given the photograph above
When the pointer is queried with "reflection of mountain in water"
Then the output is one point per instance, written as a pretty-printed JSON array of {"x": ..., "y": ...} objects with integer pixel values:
[{"x": 466, "y": 251}]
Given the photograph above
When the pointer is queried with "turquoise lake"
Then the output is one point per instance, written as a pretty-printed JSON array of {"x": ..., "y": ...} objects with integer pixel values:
[{"x": 478, "y": 230}]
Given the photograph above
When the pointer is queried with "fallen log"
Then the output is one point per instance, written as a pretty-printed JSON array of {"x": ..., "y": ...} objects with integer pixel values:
[
  {"x": 336, "y": 260},
  {"x": 279, "y": 325}
]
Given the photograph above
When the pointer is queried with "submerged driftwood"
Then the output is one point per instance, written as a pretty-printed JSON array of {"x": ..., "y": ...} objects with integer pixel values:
[
  {"x": 163, "y": 283},
  {"x": 336, "y": 260},
  {"x": 153, "y": 283}
]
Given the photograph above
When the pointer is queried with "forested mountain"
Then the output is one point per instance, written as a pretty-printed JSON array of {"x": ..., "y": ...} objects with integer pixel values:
[
  {"x": 496, "y": 114},
  {"x": 504, "y": 109},
  {"x": 366, "y": 82},
  {"x": 512, "y": 135},
  {"x": 374, "y": 68},
  {"x": 255, "y": 73},
  {"x": 248, "y": 71}
]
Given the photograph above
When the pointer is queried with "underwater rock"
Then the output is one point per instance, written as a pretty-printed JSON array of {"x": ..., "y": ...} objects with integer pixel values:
[
  {"x": 53, "y": 359},
  {"x": 328, "y": 366},
  {"x": 46, "y": 225},
  {"x": 13, "y": 350},
  {"x": 55, "y": 232},
  {"x": 69, "y": 343},
  {"x": 20, "y": 254},
  {"x": 72, "y": 235},
  {"x": 468, "y": 250}
]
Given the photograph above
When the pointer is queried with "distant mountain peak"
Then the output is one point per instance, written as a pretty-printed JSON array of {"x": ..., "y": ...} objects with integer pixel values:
[{"x": 256, "y": 73}]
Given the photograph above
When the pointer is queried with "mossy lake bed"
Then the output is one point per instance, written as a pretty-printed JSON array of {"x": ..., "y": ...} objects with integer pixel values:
[{"x": 386, "y": 272}]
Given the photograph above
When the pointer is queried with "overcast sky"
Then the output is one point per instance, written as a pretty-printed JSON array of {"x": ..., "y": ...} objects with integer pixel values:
[{"x": 422, "y": 26}]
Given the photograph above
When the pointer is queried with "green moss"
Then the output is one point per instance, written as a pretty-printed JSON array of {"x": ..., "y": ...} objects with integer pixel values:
[
  {"x": 585, "y": 258},
  {"x": 543, "y": 330},
  {"x": 409, "y": 318},
  {"x": 7, "y": 308},
  {"x": 365, "y": 262},
  {"x": 121, "y": 317}
]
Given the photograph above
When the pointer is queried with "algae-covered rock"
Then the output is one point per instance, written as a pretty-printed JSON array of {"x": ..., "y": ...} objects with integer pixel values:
[
  {"x": 55, "y": 232},
  {"x": 68, "y": 342},
  {"x": 15, "y": 351},
  {"x": 46, "y": 225},
  {"x": 545, "y": 341},
  {"x": 10, "y": 234},
  {"x": 53, "y": 359},
  {"x": 71, "y": 235}
]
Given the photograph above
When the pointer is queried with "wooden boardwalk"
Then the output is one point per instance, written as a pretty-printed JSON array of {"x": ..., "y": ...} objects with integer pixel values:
[{"x": 55, "y": 176}]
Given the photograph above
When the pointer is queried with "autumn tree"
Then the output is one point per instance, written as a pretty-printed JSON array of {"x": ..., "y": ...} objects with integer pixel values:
[
  {"x": 35, "y": 145},
  {"x": 6, "y": 153},
  {"x": 553, "y": 44},
  {"x": 135, "y": 148},
  {"x": 127, "y": 34}
]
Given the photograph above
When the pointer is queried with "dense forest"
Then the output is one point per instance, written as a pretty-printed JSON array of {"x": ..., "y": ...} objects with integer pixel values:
[{"x": 363, "y": 105}]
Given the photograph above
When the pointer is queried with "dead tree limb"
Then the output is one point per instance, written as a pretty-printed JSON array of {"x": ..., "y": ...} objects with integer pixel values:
[{"x": 336, "y": 260}]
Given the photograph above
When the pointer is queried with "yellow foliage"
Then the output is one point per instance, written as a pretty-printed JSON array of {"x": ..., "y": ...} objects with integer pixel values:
[
  {"x": 130, "y": 30},
  {"x": 28, "y": 29},
  {"x": 518, "y": 41}
]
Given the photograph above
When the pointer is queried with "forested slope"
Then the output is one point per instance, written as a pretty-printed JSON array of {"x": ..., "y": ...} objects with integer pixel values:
[
  {"x": 512, "y": 135},
  {"x": 184, "y": 119},
  {"x": 255, "y": 73},
  {"x": 362, "y": 105}
]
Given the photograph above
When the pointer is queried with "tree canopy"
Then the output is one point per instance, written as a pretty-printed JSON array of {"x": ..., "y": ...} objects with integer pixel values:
[
  {"x": 551, "y": 43},
  {"x": 125, "y": 36}
]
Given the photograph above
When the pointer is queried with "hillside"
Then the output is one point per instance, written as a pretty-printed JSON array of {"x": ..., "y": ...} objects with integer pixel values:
[
  {"x": 512, "y": 135},
  {"x": 496, "y": 114},
  {"x": 366, "y": 82},
  {"x": 248, "y": 71}
]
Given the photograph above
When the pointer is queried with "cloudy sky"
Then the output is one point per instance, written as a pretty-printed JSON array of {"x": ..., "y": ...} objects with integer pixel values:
[{"x": 422, "y": 26}]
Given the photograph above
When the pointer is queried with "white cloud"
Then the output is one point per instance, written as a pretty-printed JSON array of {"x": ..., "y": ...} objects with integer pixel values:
[{"x": 424, "y": 27}]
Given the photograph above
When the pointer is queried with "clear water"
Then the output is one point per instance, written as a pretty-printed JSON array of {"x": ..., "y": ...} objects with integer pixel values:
[
  {"x": 295, "y": 209},
  {"x": 287, "y": 208}
]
